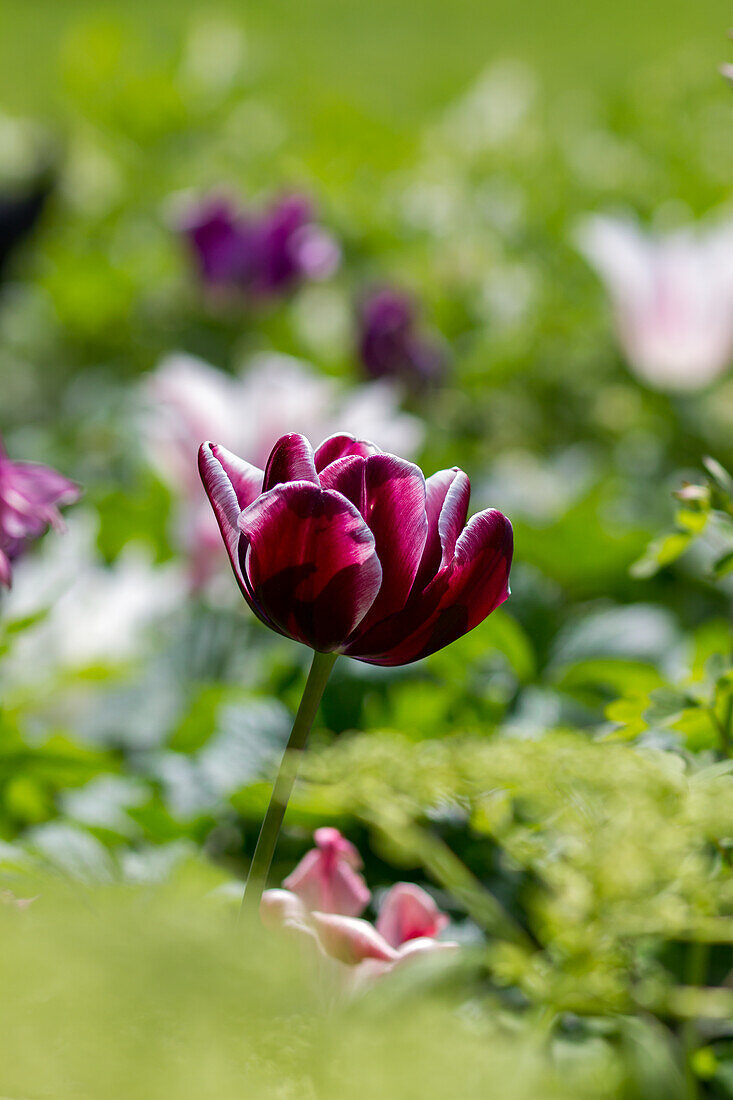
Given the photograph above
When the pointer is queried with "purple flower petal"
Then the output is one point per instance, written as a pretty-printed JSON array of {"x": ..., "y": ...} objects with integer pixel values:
[
  {"x": 311, "y": 562},
  {"x": 390, "y": 343},
  {"x": 472, "y": 585},
  {"x": 347, "y": 476},
  {"x": 341, "y": 445},
  {"x": 395, "y": 512},
  {"x": 30, "y": 498},
  {"x": 291, "y": 460},
  {"x": 231, "y": 485},
  {"x": 223, "y": 242},
  {"x": 448, "y": 494},
  {"x": 6, "y": 572}
]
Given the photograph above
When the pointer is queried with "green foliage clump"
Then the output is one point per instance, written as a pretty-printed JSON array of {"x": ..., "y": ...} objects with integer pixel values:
[
  {"x": 121, "y": 993},
  {"x": 616, "y": 853}
]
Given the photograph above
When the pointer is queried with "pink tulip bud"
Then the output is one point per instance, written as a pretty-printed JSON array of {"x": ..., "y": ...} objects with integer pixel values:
[
  {"x": 409, "y": 913},
  {"x": 328, "y": 879}
]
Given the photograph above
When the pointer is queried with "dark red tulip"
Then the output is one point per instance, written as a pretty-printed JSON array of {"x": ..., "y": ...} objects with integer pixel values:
[{"x": 352, "y": 550}]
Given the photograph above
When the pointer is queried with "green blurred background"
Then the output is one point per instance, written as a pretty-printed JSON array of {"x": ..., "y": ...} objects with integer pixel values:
[{"x": 355, "y": 79}]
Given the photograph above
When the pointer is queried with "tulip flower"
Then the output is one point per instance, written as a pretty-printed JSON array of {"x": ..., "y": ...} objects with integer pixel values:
[
  {"x": 672, "y": 296},
  {"x": 259, "y": 255},
  {"x": 351, "y": 550},
  {"x": 409, "y": 913},
  {"x": 407, "y": 925},
  {"x": 390, "y": 343},
  {"x": 188, "y": 400},
  {"x": 327, "y": 878},
  {"x": 30, "y": 497}
]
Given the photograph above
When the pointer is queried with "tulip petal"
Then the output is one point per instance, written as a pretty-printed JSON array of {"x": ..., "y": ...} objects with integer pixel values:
[
  {"x": 41, "y": 485},
  {"x": 280, "y": 907},
  {"x": 311, "y": 562},
  {"x": 6, "y": 572},
  {"x": 395, "y": 512},
  {"x": 291, "y": 459},
  {"x": 472, "y": 585},
  {"x": 330, "y": 887},
  {"x": 327, "y": 877},
  {"x": 446, "y": 506},
  {"x": 346, "y": 476},
  {"x": 232, "y": 484},
  {"x": 341, "y": 445},
  {"x": 350, "y": 939},
  {"x": 409, "y": 913},
  {"x": 332, "y": 842}
]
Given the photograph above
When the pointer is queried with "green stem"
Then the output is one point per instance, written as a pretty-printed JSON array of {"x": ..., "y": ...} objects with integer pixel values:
[
  {"x": 320, "y": 670},
  {"x": 697, "y": 965}
]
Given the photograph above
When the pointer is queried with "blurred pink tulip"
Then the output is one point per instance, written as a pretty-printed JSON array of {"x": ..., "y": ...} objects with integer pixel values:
[
  {"x": 328, "y": 879},
  {"x": 30, "y": 497},
  {"x": 409, "y": 913},
  {"x": 408, "y": 924},
  {"x": 672, "y": 296}
]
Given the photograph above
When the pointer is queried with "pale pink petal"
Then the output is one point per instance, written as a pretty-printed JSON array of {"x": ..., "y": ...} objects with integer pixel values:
[
  {"x": 350, "y": 939},
  {"x": 279, "y": 907},
  {"x": 327, "y": 877},
  {"x": 409, "y": 913}
]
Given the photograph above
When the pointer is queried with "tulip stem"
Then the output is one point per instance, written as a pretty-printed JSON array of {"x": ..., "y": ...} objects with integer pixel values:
[{"x": 259, "y": 869}]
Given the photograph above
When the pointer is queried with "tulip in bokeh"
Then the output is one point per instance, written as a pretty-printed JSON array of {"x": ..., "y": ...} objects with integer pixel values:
[
  {"x": 259, "y": 255},
  {"x": 391, "y": 344},
  {"x": 30, "y": 498},
  {"x": 352, "y": 550},
  {"x": 672, "y": 296},
  {"x": 408, "y": 922},
  {"x": 188, "y": 400},
  {"x": 328, "y": 879}
]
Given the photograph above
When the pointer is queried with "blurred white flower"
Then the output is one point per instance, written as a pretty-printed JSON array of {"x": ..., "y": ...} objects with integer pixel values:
[
  {"x": 672, "y": 296},
  {"x": 494, "y": 110},
  {"x": 188, "y": 401},
  {"x": 94, "y": 613}
]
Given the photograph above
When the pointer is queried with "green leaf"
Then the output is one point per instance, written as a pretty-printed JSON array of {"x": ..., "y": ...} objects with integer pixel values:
[
  {"x": 723, "y": 565},
  {"x": 719, "y": 474},
  {"x": 660, "y": 552}
]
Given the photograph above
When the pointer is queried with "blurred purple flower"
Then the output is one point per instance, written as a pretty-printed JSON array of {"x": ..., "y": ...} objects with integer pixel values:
[
  {"x": 30, "y": 497},
  {"x": 672, "y": 296},
  {"x": 352, "y": 550},
  {"x": 390, "y": 343},
  {"x": 261, "y": 255}
]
